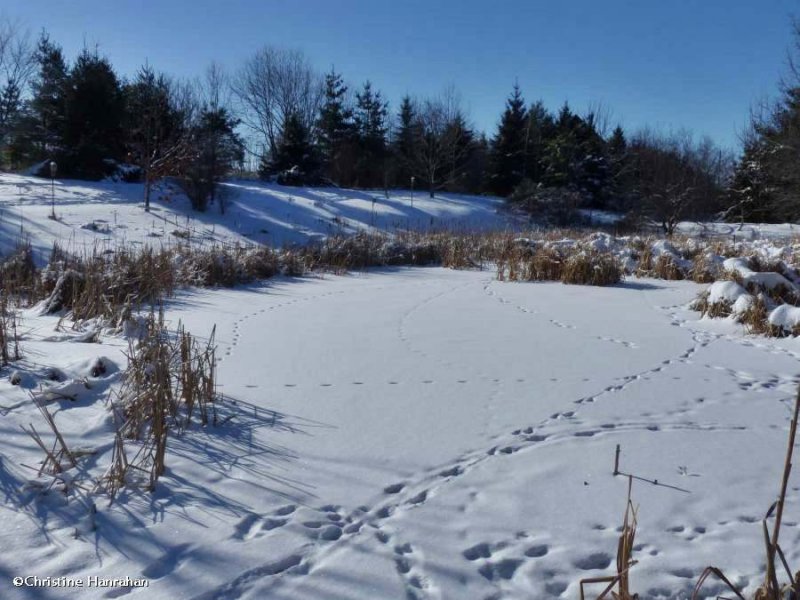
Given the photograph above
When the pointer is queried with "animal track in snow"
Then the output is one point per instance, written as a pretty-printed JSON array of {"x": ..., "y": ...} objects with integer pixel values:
[
  {"x": 254, "y": 525},
  {"x": 537, "y": 551},
  {"x": 624, "y": 343},
  {"x": 499, "y": 562},
  {"x": 596, "y": 560},
  {"x": 502, "y": 569}
]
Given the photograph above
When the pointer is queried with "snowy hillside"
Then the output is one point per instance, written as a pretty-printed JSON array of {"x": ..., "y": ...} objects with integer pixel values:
[{"x": 98, "y": 214}]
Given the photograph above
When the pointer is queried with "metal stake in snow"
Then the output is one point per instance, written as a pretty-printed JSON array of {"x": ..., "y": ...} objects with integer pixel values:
[
  {"x": 413, "y": 179},
  {"x": 53, "y": 169}
]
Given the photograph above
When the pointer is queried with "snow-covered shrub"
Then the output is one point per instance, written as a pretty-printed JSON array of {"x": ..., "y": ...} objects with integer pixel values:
[
  {"x": 784, "y": 320},
  {"x": 719, "y": 299}
]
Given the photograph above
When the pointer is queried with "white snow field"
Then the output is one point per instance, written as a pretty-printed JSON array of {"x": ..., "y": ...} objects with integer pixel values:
[
  {"x": 405, "y": 433},
  {"x": 99, "y": 215},
  {"x": 418, "y": 433}
]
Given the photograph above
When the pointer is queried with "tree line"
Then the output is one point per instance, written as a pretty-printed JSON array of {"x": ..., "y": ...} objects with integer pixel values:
[{"x": 278, "y": 117}]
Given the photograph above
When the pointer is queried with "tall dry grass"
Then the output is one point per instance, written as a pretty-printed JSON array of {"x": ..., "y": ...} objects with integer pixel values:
[
  {"x": 9, "y": 336},
  {"x": 170, "y": 379}
]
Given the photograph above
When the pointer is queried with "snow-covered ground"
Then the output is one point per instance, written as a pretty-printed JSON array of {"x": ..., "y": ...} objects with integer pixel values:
[
  {"x": 98, "y": 215},
  {"x": 421, "y": 433},
  {"x": 400, "y": 433}
]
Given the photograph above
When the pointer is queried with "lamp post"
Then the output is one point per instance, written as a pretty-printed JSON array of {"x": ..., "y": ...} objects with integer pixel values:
[
  {"x": 413, "y": 179},
  {"x": 53, "y": 171}
]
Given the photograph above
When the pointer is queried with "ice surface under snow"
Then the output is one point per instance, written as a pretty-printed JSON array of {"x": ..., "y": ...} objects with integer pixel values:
[{"x": 424, "y": 433}]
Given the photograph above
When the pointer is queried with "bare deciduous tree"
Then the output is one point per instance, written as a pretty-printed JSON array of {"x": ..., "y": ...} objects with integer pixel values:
[
  {"x": 214, "y": 90},
  {"x": 444, "y": 140},
  {"x": 601, "y": 116},
  {"x": 676, "y": 177},
  {"x": 273, "y": 85},
  {"x": 16, "y": 67},
  {"x": 162, "y": 112}
]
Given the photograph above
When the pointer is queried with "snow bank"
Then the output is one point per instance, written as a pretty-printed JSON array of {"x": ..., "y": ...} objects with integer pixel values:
[
  {"x": 725, "y": 291},
  {"x": 785, "y": 317}
]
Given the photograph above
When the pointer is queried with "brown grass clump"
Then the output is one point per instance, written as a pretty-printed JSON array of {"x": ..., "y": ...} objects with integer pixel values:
[
  {"x": 457, "y": 253},
  {"x": 545, "y": 264},
  {"x": 260, "y": 263},
  {"x": 645, "y": 258},
  {"x": 667, "y": 268},
  {"x": 19, "y": 276},
  {"x": 755, "y": 318},
  {"x": 713, "y": 310},
  {"x": 528, "y": 262},
  {"x": 703, "y": 269},
  {"x": 592, "y": 269}
]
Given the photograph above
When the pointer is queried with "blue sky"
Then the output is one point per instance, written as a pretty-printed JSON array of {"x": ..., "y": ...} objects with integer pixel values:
[{"x": 696, "y": 64}]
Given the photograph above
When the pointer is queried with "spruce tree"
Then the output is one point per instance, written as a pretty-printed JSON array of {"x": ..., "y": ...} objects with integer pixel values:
[
  {"x": 218, "y": 150},
  {"x": 371, "y": 127},
  {"x": 48, "y": 101},
  {"x": 539, "y": 129},
  {"x": 617, "y": 144},
  {"x": 620, "y": 172},
  {"x": 459, "y": 149},
  {"x": 335, "y": 131},
  {"x": 575, "y": 158},
  {"x": 295, "y": 161},
  {"x": 94, "y": 116},
  {"x": 507, "y": 159},
  {"x": 751, "y": 194},
  {"x": 404, "y": 143}
]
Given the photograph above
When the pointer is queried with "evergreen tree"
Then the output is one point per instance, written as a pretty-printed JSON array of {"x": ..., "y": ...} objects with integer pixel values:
[
  {"x": 94, "y": 115},
  {"x": 767, "y": 179},
  {"x": 539, "y": 129},
  {"x": 335, "y": 131},
  {"x": 371, "y": 128},
  {"x": 617, "y": 144},
  {"x": 575, "y": 158},
  {"x": 404, "y": 143},
  {"x": 507, "y": 157},
  {"x": 766, "y": 182},
  {"x": 561, "y": 152},
  {"x": 750, "y": 196},
  {"x": 619, "y": 171},
  {"x": 458, "y": 153},
  {"x": 476, "y": 166},
  {"x": 219, "y": 149},
  {"x": 48, "y": 103},
  {"x": 295, "y": 160}
]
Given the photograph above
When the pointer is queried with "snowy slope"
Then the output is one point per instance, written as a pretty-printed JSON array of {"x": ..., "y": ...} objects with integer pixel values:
[
  {"x": 103, "y": 214},
  {"x": 426, "y": 433}
]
